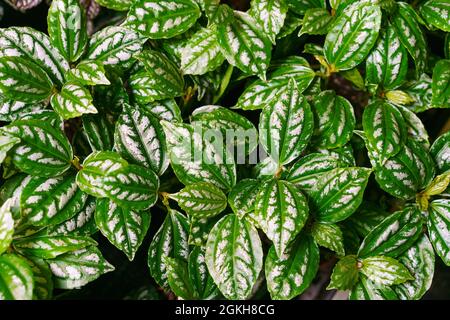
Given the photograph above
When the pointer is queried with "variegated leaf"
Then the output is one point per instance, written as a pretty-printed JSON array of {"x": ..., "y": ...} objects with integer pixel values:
[
  {"x": 42, "y": 276},
  {"x": 367, "y": 290},
  {"x": 352, "y": 37},
  {"x": 301, "y": 6},
  {"x": 12, "y": 188},
  {"x": 387, "y": 64},
  {"x": 441, "y": 84},
  {"x": 335, "y": 120},
  {"x": 178, "y": 278},
  {"x": 415, "y": 127},
  {"x": 270, "y": 15},
  {"x": 245, "y": 45},
  {"x": 67, "y": 28},
  {"x": 292, "y": 273},
  {"x": 316, "y": 21},
  {"x": 23, "y": 4},
  {"x": 195, "y": 159},
  {"x": 385, "y": 271},
  {"x": 343, "y": 154},
  {"x": 43, "y": 151},
  {"x": 11, "y": 110},
  {"x": 118, "y": 5},
  {"x": 260, "y": 93},
  {"x": 48, "y": 201},
  {"x": 385, "y": 130},
  {"x": 165, "y": 110},
  {"x": 419, "y": 90},
  {"x": 345, "y": 273},
  {"x": 201, "y": 280},
  {"x": 124, "y": 228},
  {"x": 162, "y": 19},
  {"x": 393, "y": 235},
  {"x": 281, "y": 211},
  {"x": 77, "y": 268},
  {"x": 338, "y": 193},
  {"x": 114, "y": 45},
  {"x": 329, "y": 236},
  {"x": 6, "y": 225},
  {"x": 440, "y": 151},
  {"x": 368, "y": 216},
  {"x": 49, "y": 247},
  {"x": 89, "y": 72},
  {"x": 73, "y": 101},
  {"x": 419, "y": 259},
  {"x": 201, "y": 200},
  {"x": 16, "y": 278},
  {"x": 24, "y": 80},
  {"x": 439, "y": 228},
  {"x": 216, "y": 12},
  {"x": 286, "y": 125},
  {"x": 171, "y": 240},
  {"x": 410, "y": 34},
  {"x": 242, "y": 197},
  {"x": 33, "y": 45},
  {"x": 140, "y": 139},
  {"x": 291, "y": 23},
  {"x": 437, "y": 13},
  {"x": 6, "y": 143},
  {"x": 199, "y": 229},
  {"x": 201, "y": 53},
  {"x": 99, "y": 131},
  {"x": 234, "y": 257}
]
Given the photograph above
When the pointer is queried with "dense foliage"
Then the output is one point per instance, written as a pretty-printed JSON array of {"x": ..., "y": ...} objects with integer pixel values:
[{"x": 233, "y": 126}]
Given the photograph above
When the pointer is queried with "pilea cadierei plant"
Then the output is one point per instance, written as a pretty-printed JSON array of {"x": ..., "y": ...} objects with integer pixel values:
[{"x": 266, "y": 142}]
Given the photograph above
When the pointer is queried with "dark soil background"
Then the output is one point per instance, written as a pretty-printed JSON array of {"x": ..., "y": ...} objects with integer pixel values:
[{"x": 132, "y": 280}]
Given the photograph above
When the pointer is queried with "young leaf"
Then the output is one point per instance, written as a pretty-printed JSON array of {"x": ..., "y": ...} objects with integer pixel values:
[
  {"x": 437, "y": 13},
  {"x": 23, "y": 80},
  {"x": 90, "y": 73},
  {"x": 171, "y": 240},
  {"x": 6, "y": 225},
  {"x": 292, "y": 273},
  {"x": 281, "y": 211},
  {"x": 316, "y": 21},
  {"x": 16, "y": 278},
  {"x": 124, "y": 228},
  {"x": 77, "y": 268},
  {"x": 234, "y": 257},
  {"x": 73, "y": 101},
  {"x": 338, "y": 193},
  {"x": 270, "y": 15},
  {"x": 345, "y": 274},
  {"x": 367, "y": 290},
  {"x": 43, "y": 151},
  {"x": 329, "y": 236},
  {"x": 245, "y": 45},
  {"x": 67, "y": 28},
  {"x": 439, "y": 228},
  {"x": 201, "y": 200},
  {"x": 441, "y": 84},
  {"x": 242, "y": 197},
  {"x": 440, "y": 150},
  {"x": 385, "y": 271},
  {"x": 393, "y": 235},
  {"x": 140, "y": 138},
  {"x": 352, "y": 37},
  {"x": 286, "y": 125}
]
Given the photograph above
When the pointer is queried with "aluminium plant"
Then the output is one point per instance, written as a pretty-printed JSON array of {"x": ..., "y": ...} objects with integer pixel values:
[{"x": 237, "y": 129}]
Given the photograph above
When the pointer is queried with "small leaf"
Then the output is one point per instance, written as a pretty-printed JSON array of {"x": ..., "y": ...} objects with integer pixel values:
[
  {"x": 7, "y": 143},
  {"x": 420, "y": 90},
  {"x": 89, "y": 72},
  {"x": 199, "y": 276},
  {"x": 16, "y": 277},
  {"x": 316, "y": 21},
  {"x": 242, "y": 197},
  {"x": 440, "y": 150},
  {"x": 439, "y": 228},
  {"x": 441, "y": 84},
  {"x": 178, "y": 278},
  {"x": 6, "y": 225},
  {"x": 329, "y": 236},
  {"x": 367, "y": 290},
  {"x": 270, "y": 15},
  {"x": 345, "y": 274},
  {"x": 301, "y": 6},
  {"x": 415, "y": 127},
  {"x": 73, "y": 101},
  {"x": 437, "y": 13},
  {"x": 385, "y": 271}
]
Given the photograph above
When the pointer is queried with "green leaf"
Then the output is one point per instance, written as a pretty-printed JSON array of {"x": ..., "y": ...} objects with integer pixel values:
[
  {"x": 165, "y": 110},
  {"x": 99, "y": 131},
  {"x": 261, "y": 93},
  {"x": 201, "y": 200},
  {"x": 437, "y": 13},
  {"x": 171, "y": 240},
  {"x": 245, "y": 45},
  {"x": 385, "y": 130},
  {"x": 159, "y": 79},
  {"x": 292, "y": 273},
  {"x": 201, "y": 280},
  {"x": 441, "y": 84},
  {"x": 352, "y": 37},
  {"x": 118, "y": 5},
  {"x": 7, "y": 143},
  {"x": 387, "y": 64},
  {"x": 439, "y": 228},
  {"x": 286, "y": 125},
  {"x": 178, "y": 278},
  {"x": 242, "y": 197},
  {"x": 35, "y": 46},
  {"x": 75, "y": 269},
  {"x": 140, "y": 138},
  {"x": 281, "y": 211},
  {"x": 114, "y": 45},
  {"x": 73, "y": 101},
  {"x": 195, "y": 159},
  {"x": 23, "y": 80},
  {"x": 415, "y": 127},
  {"x": 411, "y": 36},
  {"x": 355, "y": 77},
  {"x": 385, "y": 271},
  {"x": 420, "y": 90},
  {"x": 234, "y": 257},
  {"x": 301, "y": 6},
  {"x": 47, "y": 201},
  {"x": 201, "y": 53},
  {"x": 366, "y": 218},
  {"x": 6, "y": 225},
  {"x": 217, "y": 13},
  {"x": 11, "y": 110},
  {"x": 124, "y": 228},
  {"x": 345, "y": 274},
  {"x": 42, "y": 276},
  {"x": 291, "y": 23},
  {"x": 419, "y": 259},
  {"x": 338, "y": 193},
  {"x": 329, "y": 236},
  {"x": 367, "y": 290},
  {"x": 16, "y": 278},
  {"x": 270, "y": 15},
  {"x": 162, "y": 19},
  {"x": 67, "y": 28},
  {"x": 43, "y": 151},
  {"x": 335, "y": 120},
  {"x": 440, "y": 151},
  {"x": 199, "y": 229},
  {"x": 89, "y": 72},
  {"x": 49, "y": 247},
  {"x": 393, "y": 235},
  {"x": 316, "y": 21}
]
